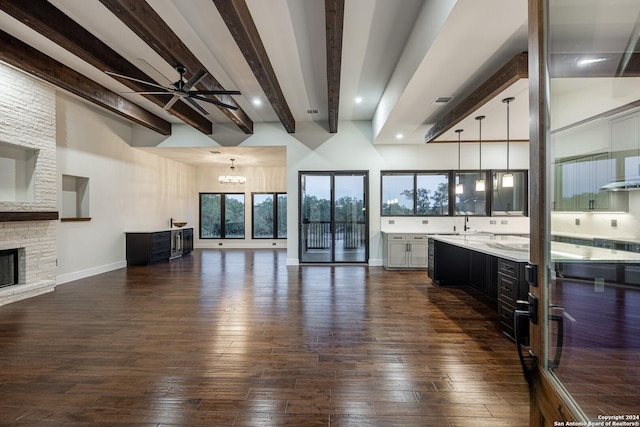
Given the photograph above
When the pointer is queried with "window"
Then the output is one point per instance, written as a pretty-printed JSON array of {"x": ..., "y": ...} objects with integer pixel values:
[
  {"x": 470, "y": 201},
  {"x": 415, "y": 193},
  {"x": 432, "y": 194},
  {"x": 221, "y": 216},
  {"x": 509, "y": 200},
  {"x": 269, "y": 216}
]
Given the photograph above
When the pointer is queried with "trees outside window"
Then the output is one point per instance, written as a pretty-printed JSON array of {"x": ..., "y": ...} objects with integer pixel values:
[
  {"x": 221, "y": 216},
  {"x": 413, "y": 193},
  {"x": 269, "y": 215}
]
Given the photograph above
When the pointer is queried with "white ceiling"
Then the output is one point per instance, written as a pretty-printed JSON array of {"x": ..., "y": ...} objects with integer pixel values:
[{"x": 397, "y": 56}]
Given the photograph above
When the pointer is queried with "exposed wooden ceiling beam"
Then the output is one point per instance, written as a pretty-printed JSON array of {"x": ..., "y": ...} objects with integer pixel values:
[
  {"x": 143, "y": 20},
  {"x": 334, "y": 18},
  {"x": 511, "y": 72},
  {"x": 23, "y": 56},
  {"x": 49, "y": 21},
  {"x": 238, "y": 19}
]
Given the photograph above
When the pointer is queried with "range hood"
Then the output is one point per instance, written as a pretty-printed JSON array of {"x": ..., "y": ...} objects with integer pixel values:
[{"x": 624, "y": 185}]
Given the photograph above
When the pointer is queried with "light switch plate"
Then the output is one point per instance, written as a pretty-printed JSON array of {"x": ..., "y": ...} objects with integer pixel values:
[
  {"x": 577, "y": 221},
  {"x": 425, "y": 221},
  {"x": 392, "y": 221},
  {"x": 614, "y": 222}
]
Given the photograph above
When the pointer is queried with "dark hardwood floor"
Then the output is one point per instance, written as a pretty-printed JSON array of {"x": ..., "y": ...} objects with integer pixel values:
[{"x": 221, "y": 338}]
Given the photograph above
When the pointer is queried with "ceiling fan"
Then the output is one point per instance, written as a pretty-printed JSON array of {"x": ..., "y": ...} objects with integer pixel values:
[{"x": 181, "y": 89}]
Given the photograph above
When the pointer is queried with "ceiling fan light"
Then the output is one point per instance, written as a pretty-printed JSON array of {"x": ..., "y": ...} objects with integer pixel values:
[{"x": 507, "y": 180}]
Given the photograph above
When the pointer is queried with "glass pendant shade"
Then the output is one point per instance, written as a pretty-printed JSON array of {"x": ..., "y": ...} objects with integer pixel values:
[
  {"x": 480, "y": 185},
  {"x": 459, "y": 188}
]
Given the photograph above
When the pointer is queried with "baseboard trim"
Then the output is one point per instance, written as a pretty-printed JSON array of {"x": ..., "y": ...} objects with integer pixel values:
[{"x": 77, "y": 275}]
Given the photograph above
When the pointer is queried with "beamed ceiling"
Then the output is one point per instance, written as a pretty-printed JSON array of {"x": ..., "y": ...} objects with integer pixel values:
[{"x": 294, "y": 61}]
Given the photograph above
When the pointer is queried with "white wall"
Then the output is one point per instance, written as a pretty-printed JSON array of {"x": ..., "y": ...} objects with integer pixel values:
[
  {"x": 130, "y": 190},
  {"x": 313, "y": 149},
  {"x": 133, "y": 190},
  {"x": 259, "y": 180}
]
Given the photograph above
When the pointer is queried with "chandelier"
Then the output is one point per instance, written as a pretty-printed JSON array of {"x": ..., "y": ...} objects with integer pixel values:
[{"x": 232, "y": 177}]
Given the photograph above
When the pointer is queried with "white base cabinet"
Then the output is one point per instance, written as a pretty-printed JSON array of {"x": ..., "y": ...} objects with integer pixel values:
[{"x": 405, "y": 250}]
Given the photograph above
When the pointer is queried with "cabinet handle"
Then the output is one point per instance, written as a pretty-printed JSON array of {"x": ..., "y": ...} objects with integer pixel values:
[{"x": 504, "y": 288}]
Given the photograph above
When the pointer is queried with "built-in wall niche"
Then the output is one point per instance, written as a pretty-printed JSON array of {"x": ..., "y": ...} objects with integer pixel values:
[
  {"x": 17, "y": 173},
  {"x": 75, "y": 198}
]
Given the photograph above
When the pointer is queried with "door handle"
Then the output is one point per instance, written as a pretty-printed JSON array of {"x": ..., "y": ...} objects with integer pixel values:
[
  {"x": 528, "y": 362},
  {"x": 559, "y": 319}
]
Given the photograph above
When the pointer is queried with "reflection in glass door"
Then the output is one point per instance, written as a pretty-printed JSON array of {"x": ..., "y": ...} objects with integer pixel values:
[
  {"x": 592, "y": 250},
  {"x": 333, "y": 217}
]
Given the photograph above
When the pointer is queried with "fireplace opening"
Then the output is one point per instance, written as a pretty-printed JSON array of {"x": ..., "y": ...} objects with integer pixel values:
[{"x": 9, "y": 267}]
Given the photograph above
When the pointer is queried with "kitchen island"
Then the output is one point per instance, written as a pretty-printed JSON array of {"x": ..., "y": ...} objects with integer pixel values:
[
  {"x": 495, "y": 266},
  {"x": 492, "y": 265}
]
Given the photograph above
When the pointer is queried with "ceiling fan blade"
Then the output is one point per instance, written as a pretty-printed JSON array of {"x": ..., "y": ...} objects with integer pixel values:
[
  {"x": 134, "y": 79},
  {"x": 171, "y": 102},
  {"x": 213, "y": 101},
  {"x": 149, "y": 93},
  {"x": 151, "y": 67},
  {"x": 194, "y": 80},
  {"x": 196, "y": 105},
  {"x": 214, "y": 92}
]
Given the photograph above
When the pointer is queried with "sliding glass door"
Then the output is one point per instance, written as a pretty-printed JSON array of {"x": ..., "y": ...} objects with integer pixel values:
[{"x": 333, "y": 217}]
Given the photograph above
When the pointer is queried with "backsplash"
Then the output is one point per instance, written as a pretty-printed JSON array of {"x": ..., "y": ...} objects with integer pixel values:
[{"x": 441, "y": 225}]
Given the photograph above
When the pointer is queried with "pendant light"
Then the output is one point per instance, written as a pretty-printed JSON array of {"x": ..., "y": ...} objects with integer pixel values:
[
  {"x": 232, "y": 177},
  {"x": 507, "y": 178},
  {"x": 480, "y": 184},
  {"x": 459, "y": 187}
]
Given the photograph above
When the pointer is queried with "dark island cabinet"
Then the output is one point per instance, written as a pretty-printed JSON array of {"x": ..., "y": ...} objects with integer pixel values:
[
  {"x": 501, "y": 280},
  {"x": 450, "y": 265},
  {"x": 512, "y": 287}
]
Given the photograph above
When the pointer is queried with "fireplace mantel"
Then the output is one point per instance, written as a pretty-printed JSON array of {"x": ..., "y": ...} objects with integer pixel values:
[{"x": 29, "y": 216}]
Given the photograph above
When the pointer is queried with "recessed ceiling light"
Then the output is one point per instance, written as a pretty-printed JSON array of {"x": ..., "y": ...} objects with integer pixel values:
[
  {"x": 358, "y": 100},
  {"x": 256, "y": 102},
  {"x": 399, "y": 136}
]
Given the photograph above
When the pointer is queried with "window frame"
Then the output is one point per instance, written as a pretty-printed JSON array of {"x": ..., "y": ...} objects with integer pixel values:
[
  {"x": 223, "y": 228},
  {"x": 275, "y": 217},
  {"x": 415, "y": 173}
]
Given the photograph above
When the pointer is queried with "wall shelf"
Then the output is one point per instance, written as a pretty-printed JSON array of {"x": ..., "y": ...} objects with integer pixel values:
[
  {"x": 75, "y": 219},
  {"x": 29, "y": 216}
]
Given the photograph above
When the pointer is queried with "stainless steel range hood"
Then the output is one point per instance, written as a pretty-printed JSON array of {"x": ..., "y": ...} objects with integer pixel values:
[{"x": 624, "y": 185}]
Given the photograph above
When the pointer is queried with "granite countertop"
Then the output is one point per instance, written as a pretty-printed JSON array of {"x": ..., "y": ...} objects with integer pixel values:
[
  {"x": 516, "y": 248},
  {"x": 593, "y": 237},
  {"x": 513, "y": 248}
]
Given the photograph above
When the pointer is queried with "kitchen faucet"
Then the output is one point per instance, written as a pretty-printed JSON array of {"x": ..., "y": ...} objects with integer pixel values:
[{"x": 466, "y": 221}]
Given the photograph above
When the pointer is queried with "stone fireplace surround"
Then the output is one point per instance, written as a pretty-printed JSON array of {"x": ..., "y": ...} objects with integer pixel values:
[{"x": 28, "y": 111}]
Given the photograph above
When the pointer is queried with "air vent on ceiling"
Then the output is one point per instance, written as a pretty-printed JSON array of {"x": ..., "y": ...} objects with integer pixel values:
[
  {"x": 443, "y": 99},
  {"x": 312, "y": 111}
]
